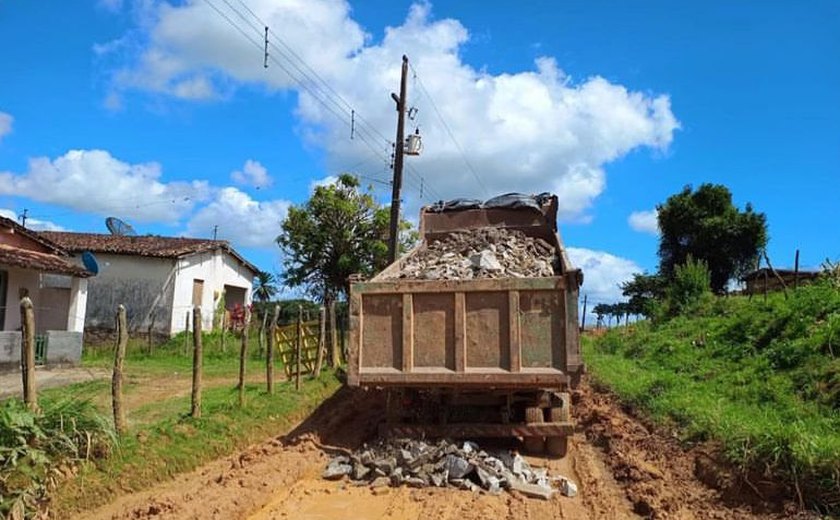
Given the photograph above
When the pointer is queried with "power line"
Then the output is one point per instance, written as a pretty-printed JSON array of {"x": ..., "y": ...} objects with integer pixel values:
[
  {"x": 449, "y": 131},
  {"x": 309, "y": 80}
]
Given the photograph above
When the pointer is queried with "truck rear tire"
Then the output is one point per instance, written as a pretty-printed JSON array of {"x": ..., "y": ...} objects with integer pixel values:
[
  {"x": 559, "y": 446},
  {"x": 534, "y": 445}
]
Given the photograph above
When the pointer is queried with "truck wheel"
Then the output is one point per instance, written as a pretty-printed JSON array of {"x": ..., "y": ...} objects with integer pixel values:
[
  {"x": 562, "y": 413},
  {"x": 534, "y": 415},
  {"x": 534, "y": 445},
  {"x": 557, "y": 446}
]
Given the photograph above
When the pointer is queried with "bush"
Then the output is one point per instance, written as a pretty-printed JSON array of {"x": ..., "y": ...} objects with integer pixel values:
[
  {"x": 690, "y": 286},
  {"x": 34, "y": 445}
]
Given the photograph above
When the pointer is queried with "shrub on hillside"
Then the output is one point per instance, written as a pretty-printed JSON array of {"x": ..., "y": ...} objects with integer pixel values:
[{"x": 690, "y": 287}]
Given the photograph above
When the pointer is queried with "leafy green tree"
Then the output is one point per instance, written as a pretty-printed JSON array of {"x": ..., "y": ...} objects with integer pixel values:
[
  {"x": 643, "y": 291},
  {"x": 708, "y": 226},
  {"x": 339, "y": 231},
  {"x": 600, "y": 310}
]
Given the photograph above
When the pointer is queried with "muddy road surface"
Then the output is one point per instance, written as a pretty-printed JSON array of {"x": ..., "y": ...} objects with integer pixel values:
[{"x": 621, "y": 467}]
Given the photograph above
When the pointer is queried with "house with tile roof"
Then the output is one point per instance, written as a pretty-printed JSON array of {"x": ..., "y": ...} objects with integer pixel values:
[
  {"x": 159, "y": 279},
  {"x": 32, "y": 265}
]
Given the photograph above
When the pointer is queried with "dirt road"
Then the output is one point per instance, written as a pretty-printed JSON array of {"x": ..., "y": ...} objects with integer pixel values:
[{"x": 623, "y": 470}]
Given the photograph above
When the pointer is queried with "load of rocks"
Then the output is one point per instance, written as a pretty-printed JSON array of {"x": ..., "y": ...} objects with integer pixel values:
[
  {"x": 482, "y": 253},
  {"x": 417, "y": 463}
]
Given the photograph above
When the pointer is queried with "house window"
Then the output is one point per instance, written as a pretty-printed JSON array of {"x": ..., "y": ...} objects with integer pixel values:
[{"x": 198, "y": 292}]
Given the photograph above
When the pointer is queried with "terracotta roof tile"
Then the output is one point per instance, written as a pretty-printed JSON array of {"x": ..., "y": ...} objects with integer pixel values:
[
  {"x": 147, "y": 245},
  {"x": 28, "y": 259}
]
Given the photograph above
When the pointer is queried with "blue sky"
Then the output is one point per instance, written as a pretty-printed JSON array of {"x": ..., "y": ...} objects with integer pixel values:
[{"x": 163, "y": 114}]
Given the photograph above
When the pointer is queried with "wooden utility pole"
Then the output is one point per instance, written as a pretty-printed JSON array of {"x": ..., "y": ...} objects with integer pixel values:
[
  {"x": 195, "y": 410},
  {"x": 796, "y": 271},
  {"x": 27, "y": 353},
  {"x": 117, "y": 378},
  {"x": 583, "y": 318},
  {"x": 394, "y": 239},
  {"x": 269, "y": 354},
  {"x": 243, "y": 352}
]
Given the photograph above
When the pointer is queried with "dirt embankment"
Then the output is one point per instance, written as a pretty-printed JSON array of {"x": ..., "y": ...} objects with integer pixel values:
[{"x": 623, "y": 470}]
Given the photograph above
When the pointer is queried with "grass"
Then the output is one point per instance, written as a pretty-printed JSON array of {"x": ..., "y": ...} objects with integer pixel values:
[
  {"x": 759, "y": 379},
  {"x": 163, "y": 440}
]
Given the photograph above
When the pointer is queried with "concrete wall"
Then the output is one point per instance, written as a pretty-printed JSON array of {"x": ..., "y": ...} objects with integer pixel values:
[
  {"x": 217, "y": 269},
  {"x": 9, "y": 350},
  {"x": 64, "y": 347},
  {"x": 144, "y": 285},
  {"x": 21, "y": 278}
]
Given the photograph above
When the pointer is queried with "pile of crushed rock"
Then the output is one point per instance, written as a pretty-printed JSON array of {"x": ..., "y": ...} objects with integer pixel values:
[
  {"x": 482, "y": 253},
  {"x": 417, "y": 463}
]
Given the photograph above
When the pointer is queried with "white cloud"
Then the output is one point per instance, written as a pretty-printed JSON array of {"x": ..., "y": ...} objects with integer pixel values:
[
  {"x": 241, "y": 219},
  {"x": 602, "y": 273},
  {"x": 94, "y": 181},
  {"x": 32, "y": 223},
  {"x": 326, "y": 181},
  {"x": 644, "y": 221},
  {"x": 530, "y": 130},
  {"x": 252, "y": 174},
  {"x": 6, "y": 121}
]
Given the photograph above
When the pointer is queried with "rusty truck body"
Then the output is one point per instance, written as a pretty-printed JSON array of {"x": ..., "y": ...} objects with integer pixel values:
[{"x": 491, "y": 357}]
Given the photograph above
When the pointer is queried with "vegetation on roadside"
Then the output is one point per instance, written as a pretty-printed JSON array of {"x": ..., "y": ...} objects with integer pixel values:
[
  {"x": 36, "y": 448},
  {"x": 760, "y": 379},
  {"x": 71, "y": 441},
  {"x": 175, "y": 443}
]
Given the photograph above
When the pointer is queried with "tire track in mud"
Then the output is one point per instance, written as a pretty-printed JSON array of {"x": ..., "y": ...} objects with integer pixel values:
[{"x": 623, "y": 470}]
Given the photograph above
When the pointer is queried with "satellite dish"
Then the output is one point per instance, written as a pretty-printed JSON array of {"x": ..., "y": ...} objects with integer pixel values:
[
  {"x": 118, "y": 227},
  {"x": 90, "y": 262}
]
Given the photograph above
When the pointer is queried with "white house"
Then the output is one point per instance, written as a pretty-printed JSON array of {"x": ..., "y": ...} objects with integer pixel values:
[
  {"x": 159, "y": 279},
  {"x": 33, "y": 266}
]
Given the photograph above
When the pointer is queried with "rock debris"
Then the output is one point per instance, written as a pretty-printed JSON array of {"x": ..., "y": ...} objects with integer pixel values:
[
  {"x": 482, "y": 253},
  {"x": 416, "y": 463}
]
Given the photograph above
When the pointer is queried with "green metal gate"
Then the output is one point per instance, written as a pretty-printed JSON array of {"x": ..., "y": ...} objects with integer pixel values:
[{"x": 40, "y": 349}]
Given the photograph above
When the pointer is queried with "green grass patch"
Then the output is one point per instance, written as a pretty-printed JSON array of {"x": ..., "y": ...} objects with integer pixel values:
[
  {"x": 761, "y": 379},
  {"x": 175, "y": 443}
]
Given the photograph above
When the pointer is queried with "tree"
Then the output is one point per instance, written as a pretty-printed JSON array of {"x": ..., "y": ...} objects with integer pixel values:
[
  {"x": 708, "y": 226},
  {"x": 265, "y": 286},
  {"x": 642, "y": 291},
  {"x": 600, "y": 310},
  {"x": 338, "y": 232}
]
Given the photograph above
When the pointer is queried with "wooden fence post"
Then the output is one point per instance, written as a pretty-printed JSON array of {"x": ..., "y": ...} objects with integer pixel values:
[
  {"x": 261, "y": 341},
  {"x": 298, "y": 347},
  {"x": 334, "y": 355},
  {"x": 322, "y": 341},
  {"x": 195, "y": 411},
  {"x": 224, "y": 327},
  {"x": 269, "y": 355},
  {"x": 186, "y": 333},
  {"x": 27, "y": 353},
  {"x": 117, "y": 378},
  {"x": 243, "y": 352}
]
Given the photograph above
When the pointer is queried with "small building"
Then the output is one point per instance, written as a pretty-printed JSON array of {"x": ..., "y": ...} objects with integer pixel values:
[
  {"x": 33, "y": 266},
  {"x": 159, "y": 279},
  {"x": 755, "y": 280}
]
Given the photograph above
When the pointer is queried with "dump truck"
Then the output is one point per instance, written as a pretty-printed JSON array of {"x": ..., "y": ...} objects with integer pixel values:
[{"x": 474, "y": 356}]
